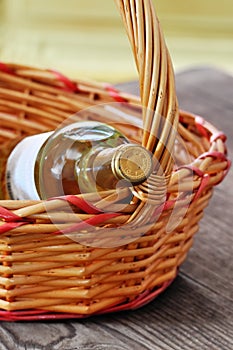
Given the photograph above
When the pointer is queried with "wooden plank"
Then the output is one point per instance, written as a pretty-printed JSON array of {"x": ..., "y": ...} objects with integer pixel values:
[{"x": 196, "y": 311}]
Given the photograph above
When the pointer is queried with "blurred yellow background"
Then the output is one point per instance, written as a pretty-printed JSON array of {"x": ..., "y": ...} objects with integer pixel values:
[{"x": 85, "y": 38}]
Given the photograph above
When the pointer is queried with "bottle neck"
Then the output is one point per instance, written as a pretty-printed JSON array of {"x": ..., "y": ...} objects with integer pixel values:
[{"x": 103, "y": 168}]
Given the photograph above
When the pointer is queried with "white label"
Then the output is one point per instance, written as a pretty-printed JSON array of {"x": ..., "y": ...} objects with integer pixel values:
[{"x": 21, "y": 166}]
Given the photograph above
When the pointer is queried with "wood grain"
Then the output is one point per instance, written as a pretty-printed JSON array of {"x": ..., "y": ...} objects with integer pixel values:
[{"x": 196, "y": 312}]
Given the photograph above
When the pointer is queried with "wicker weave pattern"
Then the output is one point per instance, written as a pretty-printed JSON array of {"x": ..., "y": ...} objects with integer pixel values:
[{"x": 44, "y": 273}]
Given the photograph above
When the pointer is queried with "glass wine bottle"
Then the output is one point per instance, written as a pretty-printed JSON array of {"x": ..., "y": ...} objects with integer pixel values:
[{"x": 81, "y": 157}]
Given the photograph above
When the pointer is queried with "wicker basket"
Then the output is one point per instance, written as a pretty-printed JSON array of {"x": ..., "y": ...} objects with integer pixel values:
[{"x": 44, "y": 272}]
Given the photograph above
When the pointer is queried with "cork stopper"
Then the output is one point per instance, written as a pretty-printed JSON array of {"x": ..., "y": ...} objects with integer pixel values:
[{"x": 133, "y": 163}]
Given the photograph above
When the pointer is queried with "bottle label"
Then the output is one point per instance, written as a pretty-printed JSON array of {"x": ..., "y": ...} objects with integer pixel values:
[{"x": 20, "y": 178}]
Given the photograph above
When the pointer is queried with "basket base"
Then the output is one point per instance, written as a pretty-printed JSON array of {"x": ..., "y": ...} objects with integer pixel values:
[{"x": 37, "y": 315}]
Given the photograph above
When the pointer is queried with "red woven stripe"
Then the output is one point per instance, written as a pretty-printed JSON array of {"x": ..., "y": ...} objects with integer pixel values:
[
  {"x": 8, "y": 216},
  {"x": 8, "y": 226},
  {"x": 228, "y": 166},
  {"x": 218, "y": 135},
  {"x": 66, "y": 81},
  {"x": 164, "y": 206},
  {"x": 80, "y": 203},
  {"x": 204, "y": 183},
  {"x": 114, "y": 93},
  {"x": 4, "y": 68},
  {"x": 94, "y": 221},
  {"x": 204, "y": 179},
  {"x": 200, "y": 126},
  {"x": 216, "y": 155},
  {"x": 22, "y": 315}
]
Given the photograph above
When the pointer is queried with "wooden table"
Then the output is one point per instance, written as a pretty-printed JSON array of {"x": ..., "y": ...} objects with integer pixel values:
[{"x": 196, "y": 311}]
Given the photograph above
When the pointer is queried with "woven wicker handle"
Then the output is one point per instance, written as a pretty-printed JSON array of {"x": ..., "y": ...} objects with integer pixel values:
[{"x": 156, "y": 78}]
